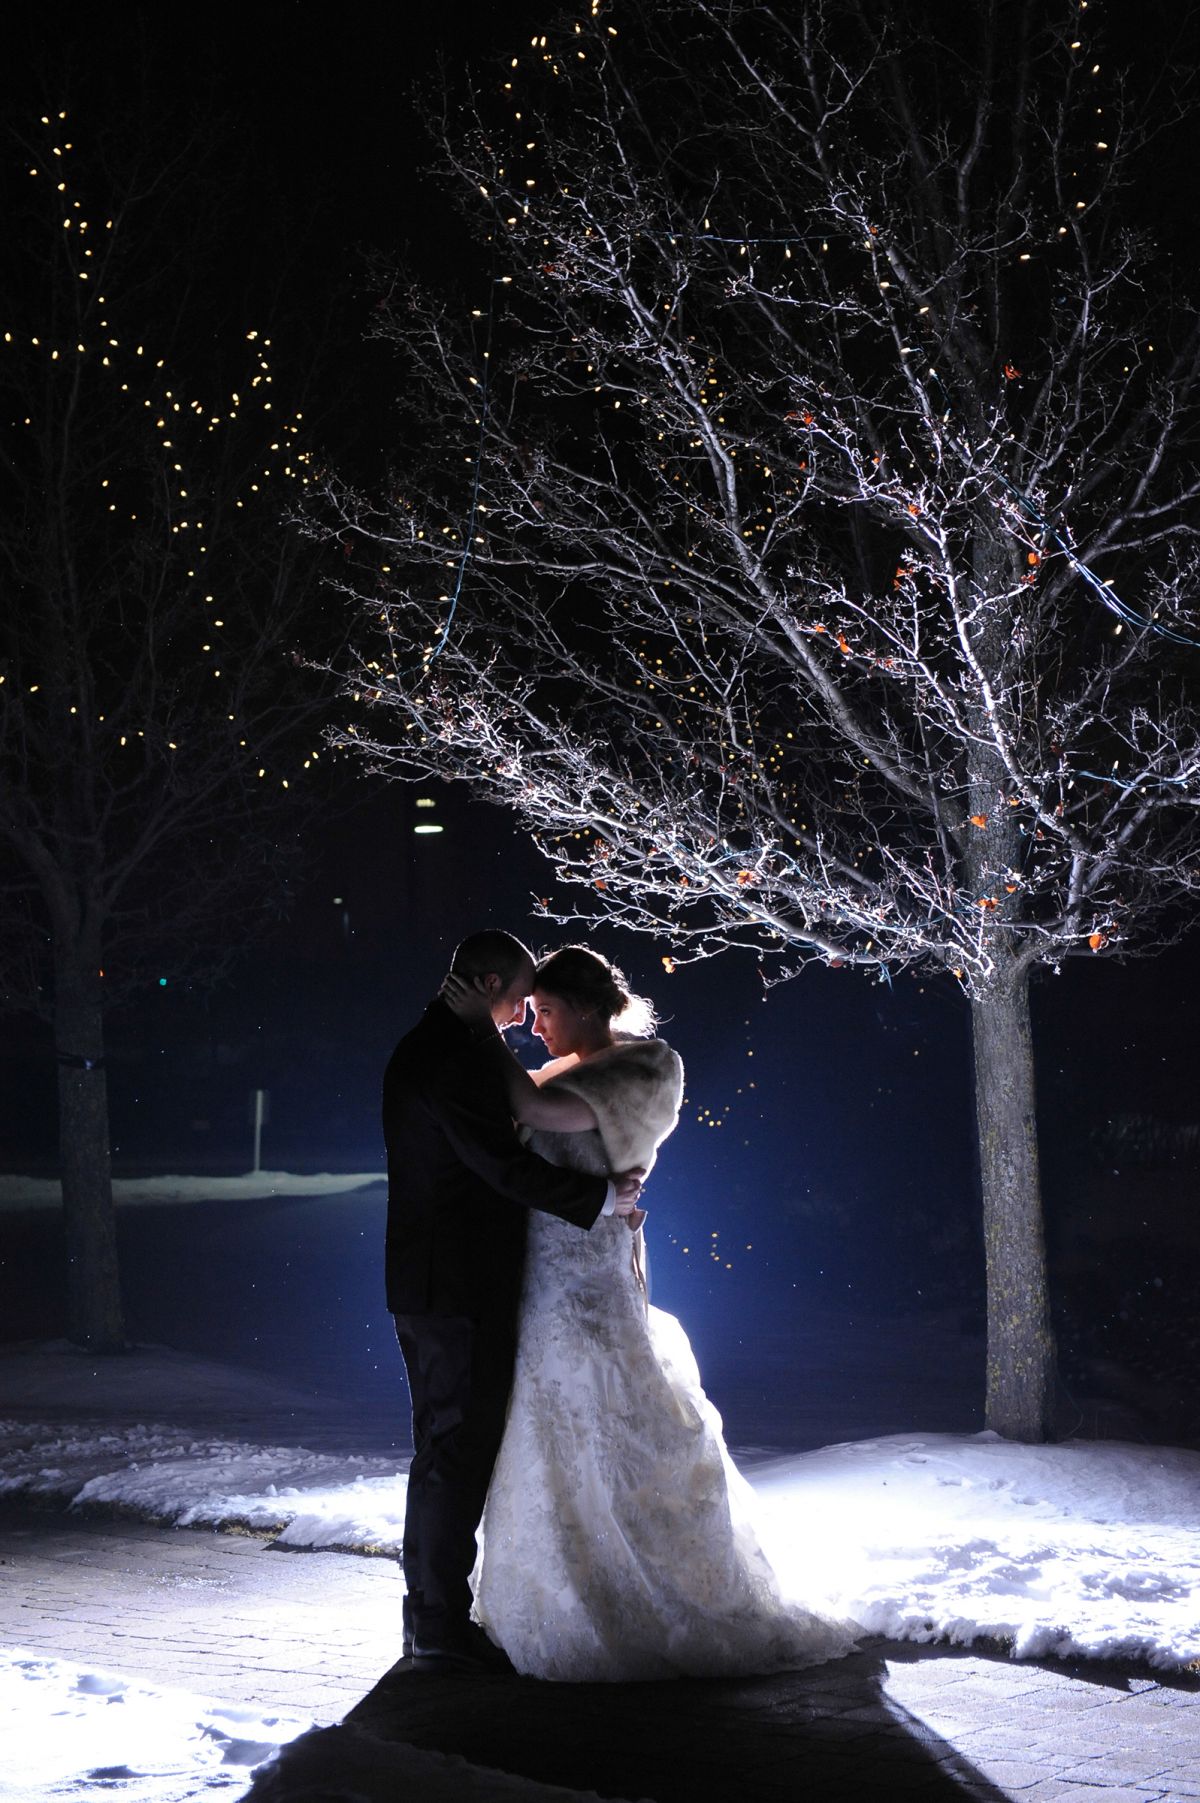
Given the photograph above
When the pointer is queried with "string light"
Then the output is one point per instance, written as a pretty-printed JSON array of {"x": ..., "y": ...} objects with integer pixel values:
[{"x": 297, "y": 467}]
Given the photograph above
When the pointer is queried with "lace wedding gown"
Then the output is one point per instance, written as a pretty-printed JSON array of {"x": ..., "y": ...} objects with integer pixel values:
[{"x": 618, "y": 1541}]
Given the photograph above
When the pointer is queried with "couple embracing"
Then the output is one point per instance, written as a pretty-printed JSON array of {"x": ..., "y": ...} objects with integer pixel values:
[{"x": 548, "y": 1396}]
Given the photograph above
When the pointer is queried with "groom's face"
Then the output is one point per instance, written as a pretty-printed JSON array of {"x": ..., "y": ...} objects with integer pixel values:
[{"x": 509, "y": 1005}]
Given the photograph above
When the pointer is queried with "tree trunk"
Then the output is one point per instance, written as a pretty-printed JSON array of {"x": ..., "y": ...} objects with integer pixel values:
[
  {"x": 1020, "y": 1349},
  {"x": 94, "y": 1315}
]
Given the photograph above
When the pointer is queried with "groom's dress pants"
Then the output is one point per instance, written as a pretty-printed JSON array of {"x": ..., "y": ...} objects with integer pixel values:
[{"x": 459, "y": 1376}]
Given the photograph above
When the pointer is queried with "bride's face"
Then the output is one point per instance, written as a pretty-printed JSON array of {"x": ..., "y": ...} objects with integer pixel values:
[{"x": 560, "y": 1027}]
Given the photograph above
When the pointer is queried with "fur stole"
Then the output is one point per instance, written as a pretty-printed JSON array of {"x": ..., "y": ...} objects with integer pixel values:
[{"x": 634, "y": 1087}]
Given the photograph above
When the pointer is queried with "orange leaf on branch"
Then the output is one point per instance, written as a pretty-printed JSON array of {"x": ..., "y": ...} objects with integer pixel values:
[{"x": 979, "y": 820}]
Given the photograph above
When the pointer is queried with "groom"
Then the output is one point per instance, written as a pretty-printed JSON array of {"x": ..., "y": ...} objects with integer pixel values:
[{"x": 459, "y": 1182}]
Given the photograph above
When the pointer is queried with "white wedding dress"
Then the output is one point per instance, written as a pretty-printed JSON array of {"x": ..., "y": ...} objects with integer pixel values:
[{"x": 618, "y": 1541}]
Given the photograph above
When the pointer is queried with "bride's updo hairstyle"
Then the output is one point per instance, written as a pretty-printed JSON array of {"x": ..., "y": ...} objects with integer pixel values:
[{"x": 590, "y": 983}]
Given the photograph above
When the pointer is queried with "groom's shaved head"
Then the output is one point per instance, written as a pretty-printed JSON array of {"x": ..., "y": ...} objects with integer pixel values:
[{"x": 493, "y": 952}]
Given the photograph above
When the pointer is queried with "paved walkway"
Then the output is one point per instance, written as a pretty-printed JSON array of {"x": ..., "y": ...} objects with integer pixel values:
[{"x": 317, "y": 1634}]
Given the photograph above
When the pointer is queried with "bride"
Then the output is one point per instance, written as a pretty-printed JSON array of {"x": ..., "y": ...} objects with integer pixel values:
[{"x": 618, "y": 1536}]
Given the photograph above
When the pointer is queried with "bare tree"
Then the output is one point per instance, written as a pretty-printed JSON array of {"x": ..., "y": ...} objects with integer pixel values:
[
  {"x": 153, "y": 712},
  {"x": 802, "y": 537}
]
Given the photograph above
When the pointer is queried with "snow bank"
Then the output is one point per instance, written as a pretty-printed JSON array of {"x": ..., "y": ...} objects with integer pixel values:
[
  {"x": 45, "y": 1192},
  {"x": 164, "y": 1474},
  {"x": 1087, "y": 1549},
  {"x": 1084, "y": 1549}
]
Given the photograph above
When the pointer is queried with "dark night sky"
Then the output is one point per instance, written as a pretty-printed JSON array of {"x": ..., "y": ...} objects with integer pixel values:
[{"x": 845, "y": 1152}]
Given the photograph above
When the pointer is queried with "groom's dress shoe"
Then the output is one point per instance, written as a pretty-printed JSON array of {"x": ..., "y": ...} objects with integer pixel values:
[{"x": 464, "y": 1649}]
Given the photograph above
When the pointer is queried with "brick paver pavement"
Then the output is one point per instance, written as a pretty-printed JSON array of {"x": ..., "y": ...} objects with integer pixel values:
[{"x": 317, "y": 1634}]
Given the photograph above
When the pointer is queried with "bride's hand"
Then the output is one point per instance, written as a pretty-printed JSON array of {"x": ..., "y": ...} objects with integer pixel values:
[
  {"x": 466, "y": 999},
  {"x": 634, "y": 1219}
]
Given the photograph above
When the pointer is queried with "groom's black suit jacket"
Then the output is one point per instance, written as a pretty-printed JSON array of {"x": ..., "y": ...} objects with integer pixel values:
[{"x": 459, "y": 1180}]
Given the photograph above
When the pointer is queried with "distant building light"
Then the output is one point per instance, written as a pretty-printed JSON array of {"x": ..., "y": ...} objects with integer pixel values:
[
  {"x": 337, "y": 901},
  {"x": 428, "y": 826},
  {"x": 426, "y": 801}
]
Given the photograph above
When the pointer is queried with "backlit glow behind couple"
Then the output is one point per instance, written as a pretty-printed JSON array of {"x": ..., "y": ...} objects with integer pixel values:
[{"x": 549, "y": 1397}]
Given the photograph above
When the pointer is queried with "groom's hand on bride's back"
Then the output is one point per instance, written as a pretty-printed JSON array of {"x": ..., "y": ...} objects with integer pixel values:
[{"x": 628, "y": 1188}]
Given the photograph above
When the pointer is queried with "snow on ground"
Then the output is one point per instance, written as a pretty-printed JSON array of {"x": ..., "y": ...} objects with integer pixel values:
[
  {"x": 160, "y": 1473},
  {"x": 74, "y": 1732},
  {"x": 1085, "y": 1549},
  {"x": 79, "y": 1733},
  {"x": 46, "y": 1192}
]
